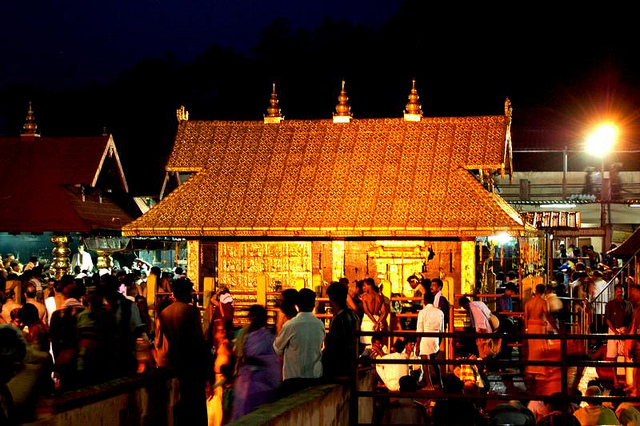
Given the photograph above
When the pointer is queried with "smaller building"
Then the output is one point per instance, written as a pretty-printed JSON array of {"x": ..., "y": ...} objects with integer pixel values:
[{"x": 58, "y": 186}]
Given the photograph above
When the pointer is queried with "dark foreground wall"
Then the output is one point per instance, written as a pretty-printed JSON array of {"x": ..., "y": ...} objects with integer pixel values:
[
  {"x": 324, "y": 405},
  {"x": 143, "y": 400},
  {"x": 152, "y": 400}
]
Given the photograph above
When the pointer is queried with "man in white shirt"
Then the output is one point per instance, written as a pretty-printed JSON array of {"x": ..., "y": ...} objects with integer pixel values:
[
  {"x": 300, "y": 344},
  {"x": 603, "y": 297},
  {"x": 479, "y": 314},
  {"x": 430, "y": 319},
  {"x": 82, "y": 259},
  {"x": 390, "y": 373}
]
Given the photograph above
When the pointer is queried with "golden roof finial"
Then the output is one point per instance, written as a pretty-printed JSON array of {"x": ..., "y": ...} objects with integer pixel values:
[
  {"x": 343, "y": 110},
  {"x": 274, "y": 115},
  {"x": 182, "y": 114},
  {"x": 508, "y": 109},
  {"x": 413, "y": 110},
  {"x": 30, "y": 126}
]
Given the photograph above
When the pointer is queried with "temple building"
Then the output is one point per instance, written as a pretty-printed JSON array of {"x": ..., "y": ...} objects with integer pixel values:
[
  {"x": 277, "y": 203},
  {"x": 62, "y": 189}
]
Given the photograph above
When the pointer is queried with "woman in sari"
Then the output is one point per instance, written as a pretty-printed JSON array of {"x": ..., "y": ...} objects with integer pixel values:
[{"x": 259, "y": 368}]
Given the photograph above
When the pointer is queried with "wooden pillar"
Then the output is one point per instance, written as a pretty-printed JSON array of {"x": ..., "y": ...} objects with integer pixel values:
[
  {"x": 261, "y": 289},
  {"x": 193, "y": 263},
  {"x": 468, "y": 269},
  {"x": 152, "y": 286}
]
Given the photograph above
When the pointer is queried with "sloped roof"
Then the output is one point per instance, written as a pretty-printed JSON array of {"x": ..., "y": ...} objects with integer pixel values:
[
  {"x": 629, "y": 247},
  {"x": 38, "y": 179},
  {"x": 314, "y": 178},
  {"x": 475, "y": 142}
]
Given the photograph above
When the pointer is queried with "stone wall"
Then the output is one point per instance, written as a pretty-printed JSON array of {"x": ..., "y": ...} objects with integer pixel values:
[
  {"x": 151, "y": 400},
  {"x": 143, "y": 400},
  {"x": 324, "y": 405}
]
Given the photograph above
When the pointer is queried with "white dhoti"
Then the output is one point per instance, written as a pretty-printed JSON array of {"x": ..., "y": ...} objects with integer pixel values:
[
  {"x": 615, "y": 347},
  {"x": 615, "y": 351},
  {"x": 367, "y": 325}
]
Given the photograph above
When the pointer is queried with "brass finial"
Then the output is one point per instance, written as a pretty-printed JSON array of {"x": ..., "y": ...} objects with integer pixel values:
[
  {"x": 413, "y": 110},
  {"x": 508, "y": 109},
  {"x": 182, "y": 114},
  {"x": 343, "y": 110},
  {"x": 30, "y": 126},
  {"x": 274, "y": 115}
]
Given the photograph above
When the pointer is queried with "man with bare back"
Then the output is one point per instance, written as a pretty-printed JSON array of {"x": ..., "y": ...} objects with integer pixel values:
[
  {"x": 536, "y": 312},
  {"x": 373, "y": 306},
  {"x": 537, "y": 321}
]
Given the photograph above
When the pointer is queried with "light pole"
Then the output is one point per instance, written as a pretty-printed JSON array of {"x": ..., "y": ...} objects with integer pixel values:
[{"x": 599, "y": 143}]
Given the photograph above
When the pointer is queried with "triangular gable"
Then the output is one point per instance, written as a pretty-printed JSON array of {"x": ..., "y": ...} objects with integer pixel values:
[{"x": 110, "y": 151}]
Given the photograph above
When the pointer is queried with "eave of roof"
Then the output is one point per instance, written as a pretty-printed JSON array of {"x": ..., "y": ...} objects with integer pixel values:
[{"x": 198, "y": 208}]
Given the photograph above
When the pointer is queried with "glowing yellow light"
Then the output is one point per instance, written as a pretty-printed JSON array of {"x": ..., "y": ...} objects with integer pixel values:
[
  {"x": 500, "y": 238},
  {"x": 601, "y": 140}
]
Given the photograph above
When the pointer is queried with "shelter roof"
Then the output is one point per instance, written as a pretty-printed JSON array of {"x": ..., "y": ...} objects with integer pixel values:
[
  {"x": 42, "y": 181},
  {"x": 315, "y": 178},
  {"x": 629, "y": 247}
]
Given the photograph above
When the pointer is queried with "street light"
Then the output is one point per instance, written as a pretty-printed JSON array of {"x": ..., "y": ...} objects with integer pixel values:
[{"x": 600, "y": 142}]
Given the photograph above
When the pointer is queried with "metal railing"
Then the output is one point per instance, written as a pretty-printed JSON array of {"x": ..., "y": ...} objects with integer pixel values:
[
  {"x": 563, "y": 360},
  {"x": 541, "y": 191},
  {"x": 599, "y": 301}
]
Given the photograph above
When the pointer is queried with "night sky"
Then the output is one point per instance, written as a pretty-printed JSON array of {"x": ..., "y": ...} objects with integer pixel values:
[
  {"x": 67, "y": 43},
  {"x": 127, "y": 65}
]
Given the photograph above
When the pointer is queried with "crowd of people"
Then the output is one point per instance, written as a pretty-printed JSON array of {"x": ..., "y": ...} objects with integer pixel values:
[
  {"x": 577, "y": 301},
  {"x": 82, "y": 329},
  {"x": 87, "y": 328}
]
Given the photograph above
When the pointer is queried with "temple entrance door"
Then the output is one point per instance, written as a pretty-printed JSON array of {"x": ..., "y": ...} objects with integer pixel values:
[{"x": 395, "y": 261}]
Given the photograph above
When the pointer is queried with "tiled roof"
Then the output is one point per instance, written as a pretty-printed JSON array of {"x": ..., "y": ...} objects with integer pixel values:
[
  {"x": 474, "y": 142},
  {"x": 37, "y": 185},
  {"x": 314, "y": 178}
]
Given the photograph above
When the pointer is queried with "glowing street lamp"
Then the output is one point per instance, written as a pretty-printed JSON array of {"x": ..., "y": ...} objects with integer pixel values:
[{"x": 601, "y": 141}]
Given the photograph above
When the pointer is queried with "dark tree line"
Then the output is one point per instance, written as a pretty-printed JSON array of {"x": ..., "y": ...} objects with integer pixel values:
[{"x": 465, "y": 63}]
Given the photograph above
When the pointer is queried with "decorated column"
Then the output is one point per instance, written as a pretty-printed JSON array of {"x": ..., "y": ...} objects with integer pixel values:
[{"x": 61, "y": 263}]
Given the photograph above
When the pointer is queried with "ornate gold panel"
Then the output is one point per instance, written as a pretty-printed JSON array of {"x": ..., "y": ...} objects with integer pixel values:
[{"x": 282, "y": 264}]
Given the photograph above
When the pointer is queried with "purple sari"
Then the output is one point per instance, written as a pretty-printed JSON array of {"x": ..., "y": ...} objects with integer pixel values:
[{"x": 259, "y": 376}]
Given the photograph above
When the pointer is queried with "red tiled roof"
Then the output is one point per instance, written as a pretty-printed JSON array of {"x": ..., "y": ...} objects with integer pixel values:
[{"x": 36, "y": 185}]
